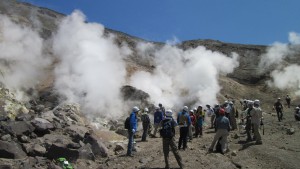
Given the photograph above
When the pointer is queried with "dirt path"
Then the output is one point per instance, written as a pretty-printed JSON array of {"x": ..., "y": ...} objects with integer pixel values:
[{"x": 279, "y": 150}]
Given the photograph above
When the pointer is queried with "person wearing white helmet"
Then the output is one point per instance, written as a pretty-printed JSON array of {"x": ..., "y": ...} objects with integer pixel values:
[
  {"x": 146, "y": 123},
  {"x": 231, "y": 111},
  {"x": 158, "y": 117},
  {"x": 132, "y": 129},
  {"x": 248, "y": 120},
  {"x": 211, "y": 114},
  {"x": 256, "y": 115},
  {"x": 167, "y": 133},
  {"x": 297, "y": 113},
  {"x": 184, "y": 121},
  {"x": 279, "y": 108}
]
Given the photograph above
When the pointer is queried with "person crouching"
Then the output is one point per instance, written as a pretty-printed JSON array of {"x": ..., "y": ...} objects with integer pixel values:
[{"x": 223, "y": 128}]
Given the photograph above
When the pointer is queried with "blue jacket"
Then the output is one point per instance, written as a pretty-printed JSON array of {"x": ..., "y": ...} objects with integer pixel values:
[
  {"x": 158, "y": 116},
  {"x": 133, "y": 121},
  {"x": 189, "y": 122},
  {"x": 222, "y": 122}
]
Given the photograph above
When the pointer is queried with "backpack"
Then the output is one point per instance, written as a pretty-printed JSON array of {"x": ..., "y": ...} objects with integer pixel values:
[
  {"x": 167, "y": 129},
  {"x": 145, "y": 118},
  {"x": 183, "y": 119},
  {"x": 127, "y": 123}
]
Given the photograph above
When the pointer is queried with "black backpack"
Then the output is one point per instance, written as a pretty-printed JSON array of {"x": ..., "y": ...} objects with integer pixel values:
[
  {"x": 145, "y": 119},
  {"x": 127, "y": 123},
  {"x": 167, "y": 129}
]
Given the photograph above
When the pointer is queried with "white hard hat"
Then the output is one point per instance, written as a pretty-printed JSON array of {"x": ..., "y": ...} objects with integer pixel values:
[
  {"x": 192, "y": 111},
  {"x": 257, "y": 102},
  {"x": 230, "y": 102},
  {"x": 250, "y": 103},
  {"x": 146, "y": 109},
  {"x": 185, "y": 108},
  {"x": 135, "y": 109},
  {"x": 169, "y": 113},
  {"x": 297, "y": 108}
]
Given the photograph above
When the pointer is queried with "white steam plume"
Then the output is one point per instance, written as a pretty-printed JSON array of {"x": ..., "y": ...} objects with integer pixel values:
[
  {"x": 21, "y": 58},
  {"x": 294, "y": 38},
  {"x": 91, "y": 69},
  {"x": 275, "y": 55},
  {"x": 289, "y": 77},
  {"x": 183, "y": 76},
  {"x": 285, "y": 77}
]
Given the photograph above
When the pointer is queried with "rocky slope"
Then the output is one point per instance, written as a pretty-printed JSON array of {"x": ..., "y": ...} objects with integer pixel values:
[{"x": 34, "y": 134}]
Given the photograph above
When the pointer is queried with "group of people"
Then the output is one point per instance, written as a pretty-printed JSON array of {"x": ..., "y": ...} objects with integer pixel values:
[{"x": 190, "y": 123}]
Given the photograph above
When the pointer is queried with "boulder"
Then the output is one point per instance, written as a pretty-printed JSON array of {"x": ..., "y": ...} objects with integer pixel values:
[
  {"x": 86, "y": 152},
  {"x": 42, "y": 126},
  {"x": 6, "y": 137},
  {"x": 98, "y": 148},
  {"x": 38, "y": 150},
  {"x": 11, "y": 150},
  {"x": 290, "y": 131},
  {"x": 57, "y": 150},
  {"x": 77, "y": 132},
  {"x": 18, "y": 128},
  {"x": 122, "y": 132},
  {"x": 119, "y": 147}
]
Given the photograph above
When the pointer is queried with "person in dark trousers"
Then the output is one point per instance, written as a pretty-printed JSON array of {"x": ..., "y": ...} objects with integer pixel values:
[
  {"x": 279, "y": 108},
  {"x": 288, "y": 100},
  {"x": 169, "y": 141},
  {"x": 132, "y": 129},
  {"x": 199, "y": 122},
  {"x": 184, "y": 122},
  {"x": 158, "y": 117},
  {"x": 146, "y": 123}
]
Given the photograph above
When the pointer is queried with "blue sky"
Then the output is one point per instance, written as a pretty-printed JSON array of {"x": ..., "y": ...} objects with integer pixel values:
[{"x": 236, "y": 21}]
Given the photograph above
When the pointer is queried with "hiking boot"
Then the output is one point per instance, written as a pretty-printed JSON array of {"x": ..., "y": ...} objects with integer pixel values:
[
  {"x": 258, "y": 142},
  {"x": 167, "y": 167},
  {"x": 249, "y": 139},
  {"x": 130, "y": 155}
]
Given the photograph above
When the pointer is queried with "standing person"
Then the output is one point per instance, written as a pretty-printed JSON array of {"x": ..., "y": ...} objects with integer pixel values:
[
  {"x": 223, "y": 128},
  {"x": 162, "y": 108},
  {"x": 199, "y": 122},
  {"x": 158, "y": 117},
  {"x": 146, "y": 123},
  {"x": 132, "y": 129},
  {"x": 167, "y": 134},
  {"x": 232, "y": 114},
  {"x": 193, "y": 121},
  {"x": 279, "y": 108},
  {"x": 216, "y": 110},
  {"x": 211, "y": 114},
  {"x": 248, "y": 120},
  {"x": 288, "y": 100},
  {"x": 256, "y": 115},
  {"x": 184, "y": 121}
]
